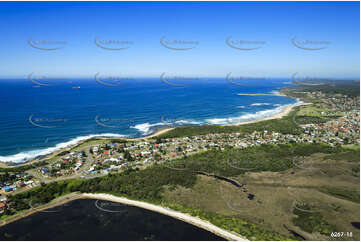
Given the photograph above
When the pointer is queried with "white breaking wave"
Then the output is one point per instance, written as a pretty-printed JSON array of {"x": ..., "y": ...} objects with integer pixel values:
[
  {"x": 261, "y": 104},
  {"x": 275, "y": 92},
  {"x": 146, "y": 128},
  {"x": 251, "y": 116},
  {"x": 187, "y": 122},
  {"x": 28, "y": 155}
]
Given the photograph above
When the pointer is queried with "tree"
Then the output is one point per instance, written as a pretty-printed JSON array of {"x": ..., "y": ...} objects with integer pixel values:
[{"x": 128, "y": 156}]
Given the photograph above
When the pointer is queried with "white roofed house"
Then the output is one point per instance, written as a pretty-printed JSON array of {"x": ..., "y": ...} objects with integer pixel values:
[
  {"x": 143, "y": 153},
  {"x": 95, "y": 149},
  {"x": 114, "y": 160}
]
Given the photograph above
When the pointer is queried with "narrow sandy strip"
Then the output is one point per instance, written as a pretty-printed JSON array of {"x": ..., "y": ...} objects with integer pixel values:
[
  {"x": 159, "y": 132},
  {"x": 169, "y": 212},
  {"x": 285, "y": 112}
]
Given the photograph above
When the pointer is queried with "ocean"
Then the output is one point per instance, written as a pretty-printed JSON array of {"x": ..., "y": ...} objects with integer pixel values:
[{"x": 39, "y": 117}]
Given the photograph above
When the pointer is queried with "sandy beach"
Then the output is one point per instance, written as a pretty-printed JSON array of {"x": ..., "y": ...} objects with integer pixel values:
[
  {"x": 158, "y": 132},
  {"x": 169, "y": 212},
  {"x": 155, "y": 208},
  {"x": 285, "y": 112}
]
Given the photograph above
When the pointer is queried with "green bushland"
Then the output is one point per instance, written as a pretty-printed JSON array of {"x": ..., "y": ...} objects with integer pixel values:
[
  {"x": 351, "y": 89},
  {"x": 311, "y": 120},
  {"x": 355, "y": 170},
  {"x": 233, "y": 162},
  {"x": 352, "y": 147},
  {"x": 346, "y": 155},
  {"x": 312, "y": 221},
  {"x": 149, "y": 184},
  {"x": 351, "y": 195},
  {"x": 233, "y": 223}
]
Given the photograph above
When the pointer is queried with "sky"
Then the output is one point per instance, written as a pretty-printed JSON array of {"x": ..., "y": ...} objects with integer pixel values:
[{"x": 266, "y": 28}]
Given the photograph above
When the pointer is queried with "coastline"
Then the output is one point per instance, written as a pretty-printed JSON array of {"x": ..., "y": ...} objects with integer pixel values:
[
  {"x": 56, "y": 202},
  {"x": 158, "y": 132},
  {"x": 156, "y": 208},
  {"x": 195, "y": 221},
  {"x": 285, "y": 112},
  {"x": 69, "y": 147},
  {"x": 203, "y": 224}
]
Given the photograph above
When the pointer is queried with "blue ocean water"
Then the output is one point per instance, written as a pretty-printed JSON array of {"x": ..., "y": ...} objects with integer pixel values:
[{"x": 38, "y": 119}]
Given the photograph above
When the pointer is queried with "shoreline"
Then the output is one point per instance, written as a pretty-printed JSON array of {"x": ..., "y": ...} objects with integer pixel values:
[
  {"x": 56, "y": 202},
  {"x": 195, "y": 221},
  {"x": 69, "y": 147},
  {"x": 203, "y": 224},
  {"x": 285, "y": 112},
  {"x": 158, "y": 132}
]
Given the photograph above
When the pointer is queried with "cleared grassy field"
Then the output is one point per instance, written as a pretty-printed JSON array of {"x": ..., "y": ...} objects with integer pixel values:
[
  {"x": 352, "y": 147},
  {"x": 311, "y": 110},
  {"x": 308, "y": 201}
]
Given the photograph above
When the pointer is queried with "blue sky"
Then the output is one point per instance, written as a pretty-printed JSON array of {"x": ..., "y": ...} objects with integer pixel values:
[{"x": 208, "y": 23}]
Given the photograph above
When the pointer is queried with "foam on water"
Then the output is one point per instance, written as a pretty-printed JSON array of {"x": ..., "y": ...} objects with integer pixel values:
[
  {"x": 251, "y": 116},
  {"x": 146, "y": 128},
  {"x": 192, "y": 106},
  {"x": 28, "y": 155},
  {"x": 261, "y": 104}
]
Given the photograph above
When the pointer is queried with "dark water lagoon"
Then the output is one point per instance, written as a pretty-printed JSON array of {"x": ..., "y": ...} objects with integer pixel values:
[{"x": 88, "y": 219}]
